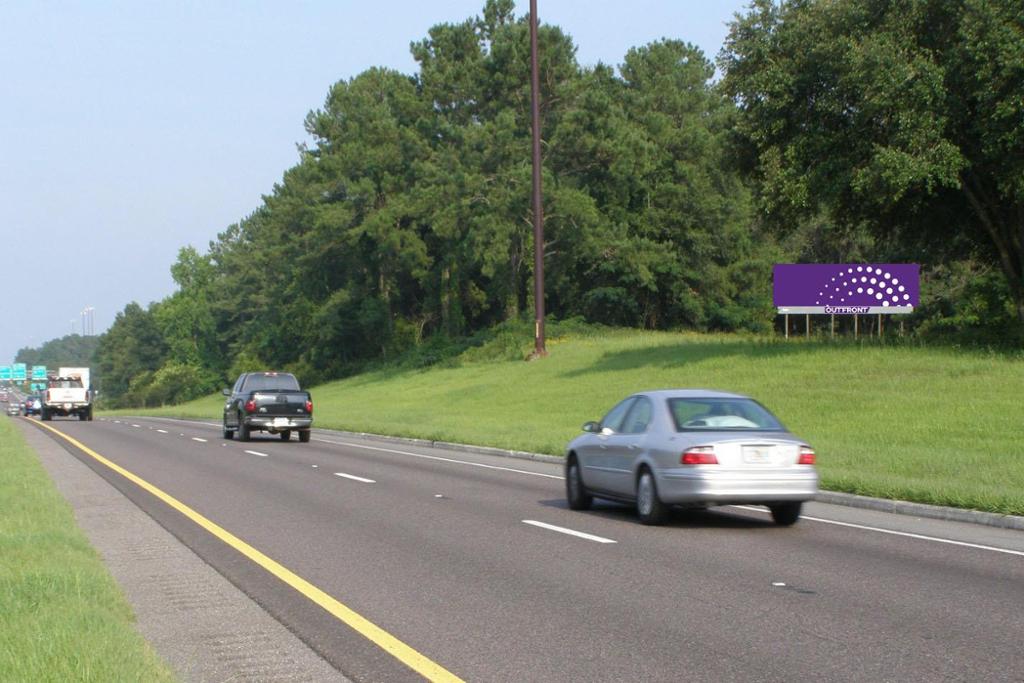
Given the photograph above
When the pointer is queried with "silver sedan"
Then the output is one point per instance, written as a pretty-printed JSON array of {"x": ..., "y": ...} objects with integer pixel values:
[{"x": 693, "y": 448}]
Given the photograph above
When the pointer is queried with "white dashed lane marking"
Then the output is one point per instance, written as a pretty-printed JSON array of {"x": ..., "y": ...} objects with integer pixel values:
[
  {"x": 354, "y": 478},
  {"x": 570, "y": 532}
]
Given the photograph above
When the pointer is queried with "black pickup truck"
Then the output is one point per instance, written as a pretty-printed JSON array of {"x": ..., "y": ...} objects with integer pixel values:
[{"x": 267, "y": 402}]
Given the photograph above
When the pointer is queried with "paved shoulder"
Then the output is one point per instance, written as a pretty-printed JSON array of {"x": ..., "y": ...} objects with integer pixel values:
[{"x": 200, "y": 623}]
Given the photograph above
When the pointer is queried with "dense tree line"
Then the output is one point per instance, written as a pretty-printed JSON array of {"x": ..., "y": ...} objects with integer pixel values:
[
  {"x": 842, "y": 130},
  {"x": 72, "y": 350}
]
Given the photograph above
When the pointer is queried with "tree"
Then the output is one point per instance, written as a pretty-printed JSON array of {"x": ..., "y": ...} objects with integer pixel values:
[
  {"x": 132, "y": 347},
  {"x": 901, "y": 118}
]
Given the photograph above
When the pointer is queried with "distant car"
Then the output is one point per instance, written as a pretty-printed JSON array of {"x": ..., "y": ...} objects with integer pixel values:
[
  {"x": 13, "y": 409},
  {"x": 33, "y": 405},
  {"x": 692, "y": 448}
]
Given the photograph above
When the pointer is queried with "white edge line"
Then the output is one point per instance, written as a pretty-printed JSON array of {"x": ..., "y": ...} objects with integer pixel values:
[
  {"x": 354, "y": 478},
  {"x": 262, "y": 455},
  {"x": 570, "y": 532},
  {"x": 435, "y": 457},
  {"x": 905, "y": 534}
]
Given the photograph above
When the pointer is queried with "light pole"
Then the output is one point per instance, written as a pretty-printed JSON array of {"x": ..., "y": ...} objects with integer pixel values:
[{"x": 539, "y": 350}]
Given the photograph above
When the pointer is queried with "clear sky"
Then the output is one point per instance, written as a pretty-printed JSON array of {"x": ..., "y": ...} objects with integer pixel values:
[{"x": 131, "y": 129}]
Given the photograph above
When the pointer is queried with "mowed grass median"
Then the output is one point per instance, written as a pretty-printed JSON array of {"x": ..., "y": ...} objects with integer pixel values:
[
  {"x": 62, "y": 617},
  {"x": 932, "y": 425}
]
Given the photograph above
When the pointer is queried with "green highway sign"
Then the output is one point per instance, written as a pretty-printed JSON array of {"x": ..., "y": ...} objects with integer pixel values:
[
  {"x": 19, "y": 373},
  {"x": 38, "y": 386},
  {"x": 39, "y": 372},
  {"x": 5, "y": 372}
]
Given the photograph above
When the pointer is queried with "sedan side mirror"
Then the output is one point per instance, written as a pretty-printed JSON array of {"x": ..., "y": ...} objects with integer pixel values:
[
  {"x": 226, "y": 392},
  {"x": 592, "y": 427}
]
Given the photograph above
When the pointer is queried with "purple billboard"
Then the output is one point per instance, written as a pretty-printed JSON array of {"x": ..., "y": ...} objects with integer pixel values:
[{"x": 846, "y": 288}]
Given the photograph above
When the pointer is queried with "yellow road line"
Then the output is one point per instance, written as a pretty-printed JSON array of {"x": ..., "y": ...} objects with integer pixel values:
[{"x": 422, "y": 665}]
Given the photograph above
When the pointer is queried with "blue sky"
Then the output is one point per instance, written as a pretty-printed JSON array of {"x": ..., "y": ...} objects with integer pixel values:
[{"x": 131, "y": 129}]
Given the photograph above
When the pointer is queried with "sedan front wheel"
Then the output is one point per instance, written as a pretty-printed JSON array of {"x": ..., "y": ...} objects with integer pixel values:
[{"x": 577, "y": 495}]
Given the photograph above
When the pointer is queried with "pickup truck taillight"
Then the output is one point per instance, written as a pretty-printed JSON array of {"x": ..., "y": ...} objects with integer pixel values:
[
  {"x": 250, "y": 406},
  {"x": 309, "y": 407},
  {"x": 47, "y": 395}
]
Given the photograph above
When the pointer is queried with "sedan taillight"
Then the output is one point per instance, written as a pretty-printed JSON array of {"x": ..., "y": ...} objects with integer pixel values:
[
  {"x": 309, "y": 407},
  {"x": 806, "y": 456},
  {"x": 699, "y": 455},
  {"x": 250, "y": 406}
]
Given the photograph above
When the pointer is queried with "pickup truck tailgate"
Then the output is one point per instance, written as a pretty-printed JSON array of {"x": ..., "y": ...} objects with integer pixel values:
[{"x": 280, "y": 403}]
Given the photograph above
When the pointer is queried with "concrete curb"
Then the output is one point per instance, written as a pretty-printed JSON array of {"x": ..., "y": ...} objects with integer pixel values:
[
  {"x": 899, "y": 507},
  {"x": 903, "y": 507}
]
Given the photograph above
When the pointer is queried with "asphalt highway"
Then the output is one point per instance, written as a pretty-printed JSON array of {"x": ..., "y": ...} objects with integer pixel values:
[{"x": 391, "y": 559}]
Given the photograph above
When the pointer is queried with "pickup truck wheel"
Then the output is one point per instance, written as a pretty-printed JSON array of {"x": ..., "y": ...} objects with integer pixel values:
[
  {"x": 89, "y": 414},
  {"x": 286, "y": 435},
  {"x": 227, "y": 433},
  {"x": 81, "y": 417},
  {"x": 243, "y": 430},
  {"x": 304, "y": 436},
  {"x": 45, "y": 415}
]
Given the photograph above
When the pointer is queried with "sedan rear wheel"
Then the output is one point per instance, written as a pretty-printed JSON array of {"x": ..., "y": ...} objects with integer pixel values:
[
  {"x": 785, "y": 514},
  {"x": 286, "y": 435},
  {"x": 228, "y": 433},
  {"x": 575, "y": 492},
  {"x": 304, "y": 436},
  {"x": 648, "y": 505}
]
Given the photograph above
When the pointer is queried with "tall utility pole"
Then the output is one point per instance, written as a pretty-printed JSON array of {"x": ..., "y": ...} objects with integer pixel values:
[{"x": 538, "y": 206}]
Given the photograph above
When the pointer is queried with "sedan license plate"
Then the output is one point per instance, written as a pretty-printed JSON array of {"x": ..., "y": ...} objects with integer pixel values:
[
  {"x": 280, "y": 421},
  {"x": 756, "y": 455}
]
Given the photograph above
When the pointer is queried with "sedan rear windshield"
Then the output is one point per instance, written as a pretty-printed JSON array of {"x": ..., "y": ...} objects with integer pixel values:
[{"x": 721, "y": 414}]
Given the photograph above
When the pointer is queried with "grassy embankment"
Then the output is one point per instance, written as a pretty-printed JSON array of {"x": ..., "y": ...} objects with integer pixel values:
[
  {"x": 63, "y": 617},
  {"x": 930, "y": 425}
]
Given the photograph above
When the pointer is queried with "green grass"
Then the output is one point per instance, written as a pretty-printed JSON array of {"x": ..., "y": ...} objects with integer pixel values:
[
  {"x": 62, "y": 617},
  {"x": 932, "y": 425}
]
